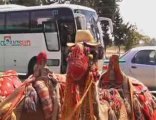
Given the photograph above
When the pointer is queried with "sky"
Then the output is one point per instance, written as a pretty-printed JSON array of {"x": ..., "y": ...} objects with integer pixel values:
[{"x": 140, "y": 13}]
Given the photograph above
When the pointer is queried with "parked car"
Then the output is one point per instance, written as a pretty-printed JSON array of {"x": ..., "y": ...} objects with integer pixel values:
[{"x": 140, "y": 63}]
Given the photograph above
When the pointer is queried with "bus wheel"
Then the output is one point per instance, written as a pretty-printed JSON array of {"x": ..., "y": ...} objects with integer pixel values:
[{"x": 31, "y": 66}]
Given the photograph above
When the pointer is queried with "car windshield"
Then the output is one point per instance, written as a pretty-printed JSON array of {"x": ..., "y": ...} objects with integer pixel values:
[{"x": 124, "y": 54}]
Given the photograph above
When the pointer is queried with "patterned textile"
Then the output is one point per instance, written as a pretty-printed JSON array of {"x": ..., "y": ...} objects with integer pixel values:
[
  {"x": 14, "y": 99},
  {"x": 140, "y": 106},
  {"x": 9, "y": 81},
  {"x": 137, "y": 99},
  {"x": 47, "y": 88},
  {"x": 143, "y": 101},
  {"x": 45, "y": 97},
  {"x": 115, "y": 103}
]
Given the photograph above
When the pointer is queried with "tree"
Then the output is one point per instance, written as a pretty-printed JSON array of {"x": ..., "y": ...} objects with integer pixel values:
[
  {"x": 106, "y": 8},
  {"x": 120, "y": 30},
  {"x": 152, "y": 41}
]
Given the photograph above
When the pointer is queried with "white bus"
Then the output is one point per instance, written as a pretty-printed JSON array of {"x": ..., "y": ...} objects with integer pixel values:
[{"x": 26, "y": 31}]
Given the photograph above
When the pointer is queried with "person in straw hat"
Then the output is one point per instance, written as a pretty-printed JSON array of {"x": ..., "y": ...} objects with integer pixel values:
[{"x": 84, "y": 36}]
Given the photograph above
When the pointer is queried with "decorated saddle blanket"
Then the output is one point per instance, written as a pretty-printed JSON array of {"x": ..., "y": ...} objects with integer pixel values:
[
  {"x": 133, "y": 102},
  {"x": 9, "y": 81}
]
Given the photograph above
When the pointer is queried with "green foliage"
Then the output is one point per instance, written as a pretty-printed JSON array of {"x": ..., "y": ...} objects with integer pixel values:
[
  {"x": 27, "y": 2},
  {"x": 121, "y": 31},
  {"x": 126, "y": 34},
  {"x": 106, "y": 8}
]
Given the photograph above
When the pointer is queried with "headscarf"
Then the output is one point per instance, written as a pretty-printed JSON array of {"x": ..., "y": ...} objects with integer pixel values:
[{"x": 41, "y": 56}]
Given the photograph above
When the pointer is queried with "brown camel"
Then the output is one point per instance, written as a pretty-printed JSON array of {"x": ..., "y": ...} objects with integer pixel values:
[{"x": 80, "y": 94}]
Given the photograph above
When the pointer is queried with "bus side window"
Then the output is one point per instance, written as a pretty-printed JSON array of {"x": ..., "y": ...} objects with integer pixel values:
[
  {"x": 51, "y": 35},
  {"x": 2, "y": 22}
]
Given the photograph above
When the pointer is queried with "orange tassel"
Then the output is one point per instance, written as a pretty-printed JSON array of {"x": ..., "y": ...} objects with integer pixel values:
[
  {"x": 111, "y": 115},
  {"x": 137, "y": 109},
  {"x": 70, "y": 99}
]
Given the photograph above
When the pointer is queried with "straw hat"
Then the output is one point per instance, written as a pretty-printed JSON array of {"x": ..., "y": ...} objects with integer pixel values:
[{"x": 84, "y": 36}]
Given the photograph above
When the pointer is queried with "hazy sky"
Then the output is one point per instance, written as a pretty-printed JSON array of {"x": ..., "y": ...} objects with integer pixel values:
[{"x": 140, "y": 13}]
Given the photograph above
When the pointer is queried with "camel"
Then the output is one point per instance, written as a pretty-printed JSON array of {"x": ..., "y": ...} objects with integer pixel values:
[
  {"x": 80, "y": 102},
  {"x": 127, "y": 98},
  {"x": 13, "y": 107}
]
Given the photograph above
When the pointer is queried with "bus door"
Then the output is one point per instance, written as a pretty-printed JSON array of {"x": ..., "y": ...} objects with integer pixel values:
[
  {"x": 66, "y": 34},
  {"x": 1, "y": 58},
  {"x": 51, "y": 35}
]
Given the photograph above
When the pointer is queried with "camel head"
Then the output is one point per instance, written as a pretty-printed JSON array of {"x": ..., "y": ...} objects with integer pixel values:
[
  {"x": 83, "y": 54},
  {"x": 78, "y": 61}
]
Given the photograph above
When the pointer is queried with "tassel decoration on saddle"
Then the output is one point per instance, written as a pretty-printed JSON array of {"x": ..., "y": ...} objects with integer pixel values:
[
  {"x": 138, "y": 109},
  {"x": 45, "y": 97},
  {"x": 128, "y": 107},
  {"x": 153, "y": 102},
  {"x": 111, "y": 115},
  {"x": 145, "y": 107},
  {"x": 31, "y": 99},
  {"x": 88, "y": 104},
  {"x": 71, "y": 96}
]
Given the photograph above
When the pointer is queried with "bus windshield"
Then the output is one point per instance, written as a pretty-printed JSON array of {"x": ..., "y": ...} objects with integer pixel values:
[{"x": 91, "y": 21}]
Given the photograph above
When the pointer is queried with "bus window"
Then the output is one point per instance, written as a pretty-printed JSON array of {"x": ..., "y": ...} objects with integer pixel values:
[
  {"x": 17, "y": 21},
  {"x": 2, "y": 22},
  {"x": 37, "y": 17},
  {"x": 51, "y": 35}
]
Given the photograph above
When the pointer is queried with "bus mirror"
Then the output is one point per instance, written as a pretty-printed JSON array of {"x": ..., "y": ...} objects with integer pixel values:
[
  {"x": 80, "y": 21},
  {"x": 109, "y": 22}
]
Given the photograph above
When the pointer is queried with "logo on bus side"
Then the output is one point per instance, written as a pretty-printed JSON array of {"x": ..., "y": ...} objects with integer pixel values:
[{"x": 9, "y": 42}]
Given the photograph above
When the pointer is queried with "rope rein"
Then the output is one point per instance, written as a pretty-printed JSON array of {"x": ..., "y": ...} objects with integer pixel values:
[{"x": 81, "y": 100}]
